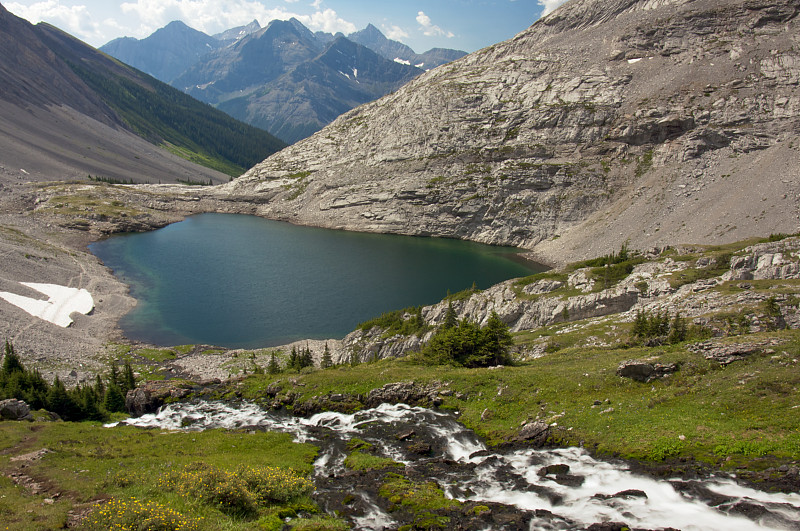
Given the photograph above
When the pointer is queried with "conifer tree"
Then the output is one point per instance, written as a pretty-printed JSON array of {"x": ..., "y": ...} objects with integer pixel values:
[
  {"x": 677, "y": 330},
  {"x": 11, "y": 362},
  {"x": 99, "y": 387},
  {"x": 88, "y": 403},
  {"x": 128, "y": 379},
  {"x": 306, "y": 359},
  {"x": 113, "y": 377},
  {"x": 273, "y": 367},
  {"x": 114, "y": 402},
  {"x": 59, "y": 401},
  {"x": 327, "y": 361},
  {"x": 497, "y": 340},
  {"x": 294, "y": 360},
  {"x": 450, "y": 318}
]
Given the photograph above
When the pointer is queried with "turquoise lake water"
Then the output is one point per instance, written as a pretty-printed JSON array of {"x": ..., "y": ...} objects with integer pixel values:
[{"x": 241, "y": 281}]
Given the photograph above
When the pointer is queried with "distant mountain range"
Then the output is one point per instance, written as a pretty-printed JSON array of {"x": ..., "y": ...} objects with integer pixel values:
[
  {"x": 68, "y": 111},
  {"x": 283, "y": 78}
]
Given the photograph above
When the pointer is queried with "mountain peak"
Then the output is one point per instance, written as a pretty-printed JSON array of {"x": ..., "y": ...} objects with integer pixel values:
[
  {"x": 373, "y": 31},
  {"x": 176, "y": 24}
]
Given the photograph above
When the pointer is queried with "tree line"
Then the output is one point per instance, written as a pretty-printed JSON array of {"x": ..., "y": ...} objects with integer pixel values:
[{"x": 95, "y": 401}]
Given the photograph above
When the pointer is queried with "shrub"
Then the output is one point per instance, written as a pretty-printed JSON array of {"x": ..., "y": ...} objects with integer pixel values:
[
  {"x": 657, "y": 325},
  {"x": 237, "y": 493},
  {"x": 212, "y": 486},
  {"x": 275, "y": 485},
  {"x": 469, "y": 345},
  {"x": 135, "y": 515},
  {"x": 665, "y": 448}
]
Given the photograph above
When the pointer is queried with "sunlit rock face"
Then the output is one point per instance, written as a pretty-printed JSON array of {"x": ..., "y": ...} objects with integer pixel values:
[{"x": 648, "y": 121}]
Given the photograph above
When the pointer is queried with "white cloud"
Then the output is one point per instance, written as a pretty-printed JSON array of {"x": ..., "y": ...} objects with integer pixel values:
[
  {"x": 213, "y": 16},
  {"x": 316, "y": 4},
  {"x": 430, "y": 29},
  {"x": 140, "y": 18},
  {"x": 396, "y": 33},
  {"x": 327, "y": 21},
  {"x": 550, "y": 5},
  {"x": 73, "y": 19}
]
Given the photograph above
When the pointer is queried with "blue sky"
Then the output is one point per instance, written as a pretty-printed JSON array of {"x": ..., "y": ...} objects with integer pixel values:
[{"x": 461, "y": 24}]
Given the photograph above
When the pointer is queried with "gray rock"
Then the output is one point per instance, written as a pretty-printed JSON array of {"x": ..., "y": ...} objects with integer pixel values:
[
  {"x": 645, "y": 370},
  {"x": 150, "y": 396},
  {"x": 405, "y": 393},
  {"x": 13, "y": 409},
  {"x": 725, "y": 354},
  {"x": 535, "y": 433}
]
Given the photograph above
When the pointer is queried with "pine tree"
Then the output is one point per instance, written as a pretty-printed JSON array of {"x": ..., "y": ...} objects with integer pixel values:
[
  {"x": 273, "y": 367},
  {"x": 128, "y": 379},
  {"x": 306, "y": 359},
  {"x": 639, "y": 325},
  {"x": 677, "y": 330},
  {"x": 89, "y": 403},
  {"x": 99, "y": 387},
  {"x": 497, "y": 340},
  {"x": 326, "y": 358},
  {"x": 354, "y": 359},
  {"x": 11, "y": 362},
  {"x": 114, "y": 402},
  {"x": 59, "y": 401},
  {"x": 113, "y": 377},
  {"x": 294, "y": 360},
  {"x": 450, "y": 319}
]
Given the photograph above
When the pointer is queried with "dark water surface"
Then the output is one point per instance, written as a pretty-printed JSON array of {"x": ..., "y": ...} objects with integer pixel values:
[{"x": 243, "y": 282}]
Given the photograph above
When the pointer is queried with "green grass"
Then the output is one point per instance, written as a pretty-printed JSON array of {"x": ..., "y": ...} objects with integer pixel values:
[
  {"x": 425, "y": 501},
  {"x": 362, "y": 461},
  {"x": 89, "y": 462},
  {"x": 707, "y": 404},
  {"x": 158, "y": 355}
]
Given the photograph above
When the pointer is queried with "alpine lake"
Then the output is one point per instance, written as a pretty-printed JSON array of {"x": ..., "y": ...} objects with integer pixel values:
[{"x": 240, "y": 281}]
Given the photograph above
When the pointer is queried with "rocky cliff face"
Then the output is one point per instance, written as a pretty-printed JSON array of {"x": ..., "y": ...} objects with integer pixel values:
[
  {"x": 653, "y": 121},
  {"x": 654, "y": 286}
]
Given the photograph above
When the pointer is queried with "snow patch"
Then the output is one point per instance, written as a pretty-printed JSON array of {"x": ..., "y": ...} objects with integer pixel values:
[
  {"x": 632, "y": 61},
  {"x": 57, "y": 309},
  {"x": 402, "y": 61}
]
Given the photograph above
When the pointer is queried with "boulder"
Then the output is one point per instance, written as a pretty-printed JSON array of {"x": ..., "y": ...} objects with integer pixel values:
[
  {"x": 645, "y": 370},
  {"x": 150, "y": 396},
  {"x": 410, "y": 393},
  {"x": 13, "y": 409},
  {"x": 553, "y": 470},
  {"x": 535, "y": 433},
  {"x": 725, "y": 354}
]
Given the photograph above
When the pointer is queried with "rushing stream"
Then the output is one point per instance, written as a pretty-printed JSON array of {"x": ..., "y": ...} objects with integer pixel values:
[{"x": 555, "y": 489}]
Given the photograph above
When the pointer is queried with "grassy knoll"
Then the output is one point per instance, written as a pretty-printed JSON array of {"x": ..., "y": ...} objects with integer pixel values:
[
  {"x": 744, "y": 413},
  {"x": 199, "y": 480}
]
